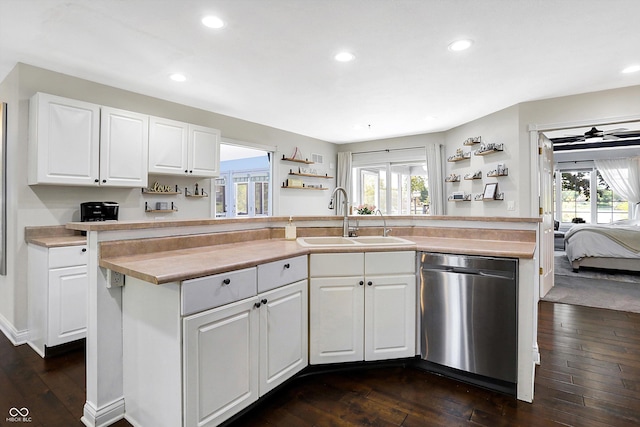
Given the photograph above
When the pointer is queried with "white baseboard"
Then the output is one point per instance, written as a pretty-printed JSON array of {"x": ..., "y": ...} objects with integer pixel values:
[
  {"x": 105, "y": 416},
  {"x": 16, "y": 337}
]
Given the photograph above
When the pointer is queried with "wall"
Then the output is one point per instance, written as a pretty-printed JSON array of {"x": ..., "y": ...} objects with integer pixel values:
[
  {"x": 500, "y": 128},
  {"x": 53, "y": 205}
]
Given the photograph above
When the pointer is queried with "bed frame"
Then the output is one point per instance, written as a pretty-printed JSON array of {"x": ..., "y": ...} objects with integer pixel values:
[{"x": 626, "y": 264}]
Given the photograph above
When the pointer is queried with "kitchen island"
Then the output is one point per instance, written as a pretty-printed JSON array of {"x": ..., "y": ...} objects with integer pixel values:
[{"x": 165, "y": 253}]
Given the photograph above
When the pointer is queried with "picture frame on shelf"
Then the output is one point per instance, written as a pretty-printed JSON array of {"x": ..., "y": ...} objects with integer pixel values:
[{"x": 490, "y": 191}]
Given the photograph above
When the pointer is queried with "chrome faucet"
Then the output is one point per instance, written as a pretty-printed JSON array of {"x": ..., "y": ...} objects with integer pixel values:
[
  {"x": 345, "y": 202},
  {"x": 385, "y": 230}
]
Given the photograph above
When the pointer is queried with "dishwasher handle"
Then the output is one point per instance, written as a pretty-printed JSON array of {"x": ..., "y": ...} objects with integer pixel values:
[{"x": 468, "y": 271}]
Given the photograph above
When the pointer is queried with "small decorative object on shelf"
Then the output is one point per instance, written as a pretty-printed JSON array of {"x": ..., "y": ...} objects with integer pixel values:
[
  {"x": 452, "y": 178},
  {"x": 161, "y": 207},
  {"x": 499, "y": 171},
  {"x": 472, "y": 141},
  {"x": 165, "y": 190},
  {"x": 365, "y": 209},
  {"x": 459, "y": 196},
  {"x": 196, "y": 192},
  {"x": 478, "y": 196},
  {"x": 490, "y": 191},
  {"x": 486, "y": 148},
  {"x": 475, "y": 175},
  {"x": 460, "y": 155}
]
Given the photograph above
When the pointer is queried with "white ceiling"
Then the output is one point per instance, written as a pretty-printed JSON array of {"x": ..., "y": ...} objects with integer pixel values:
[{"x": 273, "y": 61}]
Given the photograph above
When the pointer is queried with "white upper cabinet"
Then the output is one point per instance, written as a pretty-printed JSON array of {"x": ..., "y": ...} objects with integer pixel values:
[
  {"x": 64, "y": 140},
  {"x": 124, "y": 147},
  {"x": 168, "y": 146},
  {"x": 78, "y": 143},
  {"x": 177, "y": 148}
]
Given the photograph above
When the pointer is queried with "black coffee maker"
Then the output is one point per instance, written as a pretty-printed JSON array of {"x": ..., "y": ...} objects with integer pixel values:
[{"x": 99, "y": 211}]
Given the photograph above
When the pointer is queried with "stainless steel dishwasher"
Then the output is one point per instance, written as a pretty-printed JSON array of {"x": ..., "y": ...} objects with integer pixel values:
[{"x": 469, "y": 319}]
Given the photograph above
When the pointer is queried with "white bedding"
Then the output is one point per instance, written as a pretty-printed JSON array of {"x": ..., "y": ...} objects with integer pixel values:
[{"x": 586, "y": 243}]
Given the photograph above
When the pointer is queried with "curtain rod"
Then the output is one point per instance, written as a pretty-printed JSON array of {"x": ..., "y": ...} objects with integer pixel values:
[{"x": 386, "y": 150}]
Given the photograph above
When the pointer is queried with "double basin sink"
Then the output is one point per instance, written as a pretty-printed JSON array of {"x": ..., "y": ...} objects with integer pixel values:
[{"x": 326, "y": 241}]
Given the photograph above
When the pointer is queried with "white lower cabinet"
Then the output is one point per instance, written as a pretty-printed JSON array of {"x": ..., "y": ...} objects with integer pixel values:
[
  {"x": 362, "y": 306},
  {"x": 57, "y": 290},
  {"x": 236, "y": 353},
  {"x": 200, "y": 368}
]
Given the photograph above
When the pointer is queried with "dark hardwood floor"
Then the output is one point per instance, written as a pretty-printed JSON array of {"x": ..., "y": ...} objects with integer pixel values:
[{"x": 589, "y": 376}]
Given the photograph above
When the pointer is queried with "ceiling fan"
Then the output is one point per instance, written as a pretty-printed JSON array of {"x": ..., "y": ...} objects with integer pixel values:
[{"x": 592, "y": 135}]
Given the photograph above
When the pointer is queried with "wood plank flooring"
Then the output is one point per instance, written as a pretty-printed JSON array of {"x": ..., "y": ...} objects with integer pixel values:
[{"x": 589, "y": 377}]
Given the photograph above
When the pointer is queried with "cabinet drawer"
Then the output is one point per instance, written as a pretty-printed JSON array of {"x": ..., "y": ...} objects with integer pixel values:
[
  {"x": 213, "y": 291},
  {"x": 337, "y": 265},
  {"x": 279, "y": 273},
  {"x": 68, "y": 256},
  {"x": 385, "y": 263}
]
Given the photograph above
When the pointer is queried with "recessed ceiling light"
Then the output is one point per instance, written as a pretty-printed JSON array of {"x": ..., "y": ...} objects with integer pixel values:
[
  {"x": 177, "y": 77},
  {"x": 459, "y": 45},
  {"x": 344, "y": 57},
  {"x": 212, "y": 22},
  {"x": 631, "y": 69}
]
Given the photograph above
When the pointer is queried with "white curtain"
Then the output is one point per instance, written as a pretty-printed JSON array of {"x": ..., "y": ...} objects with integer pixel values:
[
  {"x": 435, "y": 173},
  {"x": 343, "y": 179},
  {"x": 623, "y": 176}
]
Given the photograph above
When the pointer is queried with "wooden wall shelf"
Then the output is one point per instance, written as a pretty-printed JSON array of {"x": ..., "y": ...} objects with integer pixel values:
[{"x": 306, "y": 162}]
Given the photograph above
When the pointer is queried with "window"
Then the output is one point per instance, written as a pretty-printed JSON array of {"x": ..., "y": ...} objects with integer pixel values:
[
  {"x": 611, "y": 207},
  {"x": 395, "y": 189},
  {"x": 576, "y": 195},
  {"x": 244, "y": 186},
  {"x": 575, "y": 201}
]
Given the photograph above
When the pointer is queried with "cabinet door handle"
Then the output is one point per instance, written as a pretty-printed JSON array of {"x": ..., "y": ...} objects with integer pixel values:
[
  {"x": 226, "y": 281},
  {"x": 257, "y": 305},
  {"x": 104, "y": 180},
  {"x": 84, "y": 249},
  {"x": 96, "y": 180},
  {"x": 186, "y": 171},
  {"x": 264, "y": 301},
  {"x": 287, "y": 265},
  {"x": 369, "y": 283},
  {"x": 361, "y": 282}
]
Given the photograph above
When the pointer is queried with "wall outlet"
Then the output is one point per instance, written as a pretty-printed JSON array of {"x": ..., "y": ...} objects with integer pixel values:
[
  {"x": 114, "y": 279},
  {"x": 511, "y": 205}
]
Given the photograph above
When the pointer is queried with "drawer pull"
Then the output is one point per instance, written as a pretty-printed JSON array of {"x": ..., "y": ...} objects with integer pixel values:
[
  {"x": 287, "y": 265},
  {"x": 226, "y": 281},
  {"x": 369, "y": 283},
  {"x": 361, "y": 282}
]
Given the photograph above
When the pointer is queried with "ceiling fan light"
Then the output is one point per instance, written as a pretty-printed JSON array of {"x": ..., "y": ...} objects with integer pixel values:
[{"x": 631, "y": 69}]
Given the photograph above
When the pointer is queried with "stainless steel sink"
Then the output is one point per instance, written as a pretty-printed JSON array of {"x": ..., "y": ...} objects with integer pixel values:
[{"x": 353, "y": 241}]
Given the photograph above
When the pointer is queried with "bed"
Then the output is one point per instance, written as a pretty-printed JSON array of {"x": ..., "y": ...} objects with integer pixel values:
[{"x": 612, "y": 246}]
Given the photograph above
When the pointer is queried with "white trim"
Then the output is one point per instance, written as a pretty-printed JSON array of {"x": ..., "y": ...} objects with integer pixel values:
[
  {"x": 255, "y": 145},
  {"x": 105, "y": 416},
  {"x": 582, "y": 123},
  {"x": 16, "y": 337}
]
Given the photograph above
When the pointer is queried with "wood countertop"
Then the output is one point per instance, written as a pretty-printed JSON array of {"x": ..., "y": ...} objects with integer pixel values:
[{"x": 183, "y": 264}]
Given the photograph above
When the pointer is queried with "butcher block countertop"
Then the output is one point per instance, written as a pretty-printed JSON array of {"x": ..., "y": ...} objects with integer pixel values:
[{"x": 182, "y": 264}]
